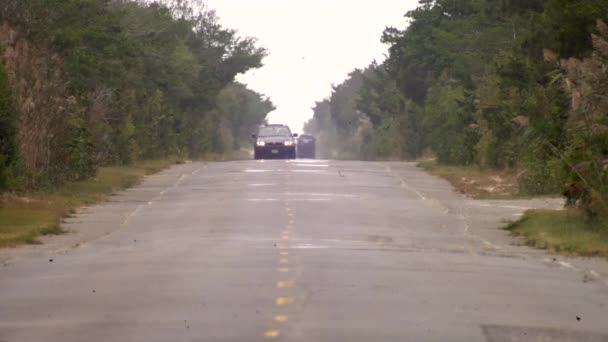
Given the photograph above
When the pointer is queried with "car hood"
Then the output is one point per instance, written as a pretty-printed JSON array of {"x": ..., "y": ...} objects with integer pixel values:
[{"x": 273, "y": 139}]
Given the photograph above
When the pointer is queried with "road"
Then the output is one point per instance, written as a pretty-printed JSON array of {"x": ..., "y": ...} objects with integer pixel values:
[{"x": 296, "y": 251}]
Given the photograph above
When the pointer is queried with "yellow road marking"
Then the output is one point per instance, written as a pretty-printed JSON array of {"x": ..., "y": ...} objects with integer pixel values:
[
  {"x": 283, "y": 284},
  {"x": 283, "y": 261},
  {"x": 281, "y": 318},
  {"x": 271, "y": 334},
  {"x": 284, "y": 301},
  {"x": 290, "y": 214},
  {"x": 283, "y": 269},
  {"x": 283, "y": 247},
  {"x": 285, "y": 237},
  {"x": 284, "y": 253}
]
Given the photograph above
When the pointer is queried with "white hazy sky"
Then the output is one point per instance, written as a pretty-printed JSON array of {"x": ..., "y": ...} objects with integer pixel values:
[{"x": 312, "y": 44}]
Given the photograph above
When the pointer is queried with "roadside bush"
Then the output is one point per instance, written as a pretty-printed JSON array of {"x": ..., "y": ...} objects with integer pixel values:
[
  {"x": 81, "y": 158},
  {"x": 448, "y": 119},
  {"x": 390, "y": 140},
  {"x": 543, "y": 176}
]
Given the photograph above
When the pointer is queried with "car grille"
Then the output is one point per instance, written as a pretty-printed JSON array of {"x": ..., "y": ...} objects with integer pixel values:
[{"x": 274, "y": 144}]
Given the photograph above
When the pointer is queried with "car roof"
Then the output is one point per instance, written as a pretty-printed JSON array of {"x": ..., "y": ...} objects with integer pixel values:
[{"x": 274, "y": 125}]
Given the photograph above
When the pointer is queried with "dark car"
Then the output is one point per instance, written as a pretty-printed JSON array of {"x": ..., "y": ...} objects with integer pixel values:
[
  {"x": 274, "y": 141},
  {"x": 306, "y": 146}
]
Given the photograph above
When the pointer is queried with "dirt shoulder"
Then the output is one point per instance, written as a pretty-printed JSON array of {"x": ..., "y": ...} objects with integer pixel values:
[{"x": 476, "y": 183}]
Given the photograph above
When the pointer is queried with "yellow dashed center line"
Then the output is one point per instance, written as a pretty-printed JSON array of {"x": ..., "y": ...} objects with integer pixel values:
[
  {"x": 281, "y": 318},
  {"x": 283, "y": 284},
  {"x": 283, "y": 301},
  {"x": 271, "y": 334}
]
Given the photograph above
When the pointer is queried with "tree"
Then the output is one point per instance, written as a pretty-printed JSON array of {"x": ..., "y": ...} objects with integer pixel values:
[
  {"x": 131, "y": 80},
  {"x": 8, "y": 133}
]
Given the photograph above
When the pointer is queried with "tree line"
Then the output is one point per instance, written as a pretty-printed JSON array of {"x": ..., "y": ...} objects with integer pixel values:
[
  {"x": 88, "y": 83},
  {"x": 506, "y": 84}
]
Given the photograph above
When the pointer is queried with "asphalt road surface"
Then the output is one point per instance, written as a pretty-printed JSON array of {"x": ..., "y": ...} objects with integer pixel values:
[{"x": 296, "y": 251}]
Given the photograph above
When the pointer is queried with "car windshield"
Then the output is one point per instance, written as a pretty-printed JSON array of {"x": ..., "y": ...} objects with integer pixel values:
[{"x": 274, "y": 131}]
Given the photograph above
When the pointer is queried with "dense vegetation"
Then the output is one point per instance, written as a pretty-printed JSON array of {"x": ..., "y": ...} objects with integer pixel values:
[
  {"x": 89, "y": 83},
  {"x": 517, "y": 85}
]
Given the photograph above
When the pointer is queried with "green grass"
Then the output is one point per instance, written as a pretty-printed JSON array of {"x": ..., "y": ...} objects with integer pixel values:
[
  {"x": 24, "y": 218},
  {"x": 475, "y": 182},
  {"x": 23, "y": 225},
  {"x": 565, "y": 232}
]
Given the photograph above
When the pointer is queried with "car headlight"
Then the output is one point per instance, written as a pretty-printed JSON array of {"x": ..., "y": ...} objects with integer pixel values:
[
  {"x": 260, "y": 143},
  {"x": 288, "y": 143}
]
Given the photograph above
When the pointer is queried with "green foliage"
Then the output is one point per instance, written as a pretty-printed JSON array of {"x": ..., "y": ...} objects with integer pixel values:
[
  {"x": 570, "y": 21},
  {"x": 543, "y": 174},
  {"x": 321, "y": 125},
  {"x": 244, "y": 110},
  {"x": 342, "y": 130},
  {"x": 81, "y": 158},
  {"x": 488, "y": 82},
  {"x": 448, "y": 116},
  {"x": 587, "y": 156},
  {"x": 391, "y": 140},
  {"x": 145, "y": 79}
]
